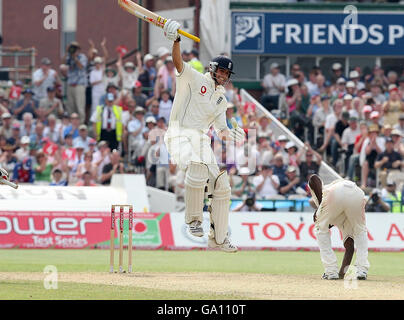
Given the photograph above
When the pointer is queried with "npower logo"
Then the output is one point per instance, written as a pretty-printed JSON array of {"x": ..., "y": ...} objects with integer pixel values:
[{"x": 44, "y": 225}]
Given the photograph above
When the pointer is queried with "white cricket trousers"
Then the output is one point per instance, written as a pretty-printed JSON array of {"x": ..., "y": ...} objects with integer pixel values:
[{"x": 342, "y": 201}]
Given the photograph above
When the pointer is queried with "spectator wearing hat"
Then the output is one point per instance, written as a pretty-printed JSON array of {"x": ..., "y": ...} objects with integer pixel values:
[
  {"x": 51, "y": 104},
  {"x": 293, "y": 155},
  {"x": 162, "y": 53},
  {"x": 166, "y": 79},
  {"x": 111, "y": 77},
  {"x": 388, "y": 161},
  {"x": 26, "y": 104},
  {"x": 140, "y": 98},
  {"x": 96, "y": 79},
  {"x": 339, "y": 89},
  {"x": 354, "y": 76},
  {"x": 148, "y": 76},
  {"x": 76, "y": 79},
  {"x": 128, "y": 72},
  {"x": 107, "y": 122},
  {"x": 245, "y": 186},
  {"x": 43, "y": 78},
  {"x": 274, "y": 84},
  {"x": 6, "y": 128},
  {"x": 372, "y": 146},
  {"x": 398, "y": 141},
  {"x": 348, "y": 139},
  {"x": 400, "y": 125},
  {"x": 83, "y": 137},
  {"x": 351, "y": 89},
  {"x": 111, "y": 88},
  {"x": 337, "y": 72},
  {"x": 292, "y": 182},
  {"x": 391, "y": 193},
  {"x": 23, "y": 150},
  {"x": 366, "y": 111},
  {"x": 165, "y": 105},
  {"x": 194, "y": 61},
  {"x": 375, "y": 118},
  {"x": 393, "y": 107},
  {"x": 136, "y": 129},
  {"x": 266, "y": 183}
]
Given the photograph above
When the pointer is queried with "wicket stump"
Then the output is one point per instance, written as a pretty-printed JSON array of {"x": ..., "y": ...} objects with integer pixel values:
[{"x": 130, "y": 241}]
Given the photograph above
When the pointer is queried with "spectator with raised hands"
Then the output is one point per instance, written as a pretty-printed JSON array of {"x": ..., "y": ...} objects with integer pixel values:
[
  {"x": 244, "y": 186},
  {"x": 96, "y": 79},
  {"x": 266, "y": 183},
  {"x": 24, "y": 105},
  {"x": 128, "y": 72}
]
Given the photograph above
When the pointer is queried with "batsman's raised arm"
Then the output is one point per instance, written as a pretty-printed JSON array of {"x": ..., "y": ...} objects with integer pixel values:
[{"x": 171, "y": 33}]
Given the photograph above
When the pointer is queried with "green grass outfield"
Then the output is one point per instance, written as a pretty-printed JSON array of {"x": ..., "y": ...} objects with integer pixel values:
[{"x": 386, "y": 264}]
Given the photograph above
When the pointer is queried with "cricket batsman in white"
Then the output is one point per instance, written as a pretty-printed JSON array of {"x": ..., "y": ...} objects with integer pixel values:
[
  {"x": 342, "y": 204},
  {"x": 200, "y": 103}
]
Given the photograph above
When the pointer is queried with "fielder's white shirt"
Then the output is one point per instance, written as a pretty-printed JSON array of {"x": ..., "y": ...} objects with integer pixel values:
[{"x": 197, "y": 104}]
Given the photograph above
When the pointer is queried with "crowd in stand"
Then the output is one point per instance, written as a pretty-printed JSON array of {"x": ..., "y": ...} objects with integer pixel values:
[{"x": 81, "y": 122}]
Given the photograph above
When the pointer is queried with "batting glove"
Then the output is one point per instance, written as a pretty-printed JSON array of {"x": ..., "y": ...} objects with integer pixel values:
[{"x": 171, "y": 29}]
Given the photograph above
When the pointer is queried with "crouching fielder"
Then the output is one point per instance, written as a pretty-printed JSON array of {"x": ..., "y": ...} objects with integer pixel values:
[
  {"x": 340, "y": 203},
  {"x": 200, "y": 103}
]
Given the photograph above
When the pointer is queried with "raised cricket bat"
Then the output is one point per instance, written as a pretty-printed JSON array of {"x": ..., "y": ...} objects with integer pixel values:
[{"x": 150, "y": 17}]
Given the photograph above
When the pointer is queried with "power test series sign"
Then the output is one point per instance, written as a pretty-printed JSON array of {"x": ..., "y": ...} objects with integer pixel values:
[{"x": 317, "y": 33}]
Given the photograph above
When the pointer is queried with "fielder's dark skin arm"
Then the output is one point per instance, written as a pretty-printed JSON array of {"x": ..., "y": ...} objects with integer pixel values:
[{"x": 349, "y": 251}]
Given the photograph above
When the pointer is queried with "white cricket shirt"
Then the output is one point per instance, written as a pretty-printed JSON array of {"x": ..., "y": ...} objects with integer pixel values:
[{"x": 197, "y": 105}]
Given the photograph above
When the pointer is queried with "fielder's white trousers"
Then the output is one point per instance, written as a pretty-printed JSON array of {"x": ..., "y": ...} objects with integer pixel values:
[{"x": 343, "y": 205}]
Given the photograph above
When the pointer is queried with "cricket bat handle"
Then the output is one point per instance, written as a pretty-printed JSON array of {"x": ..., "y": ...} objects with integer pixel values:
[{"x": 188, "y": 35}]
